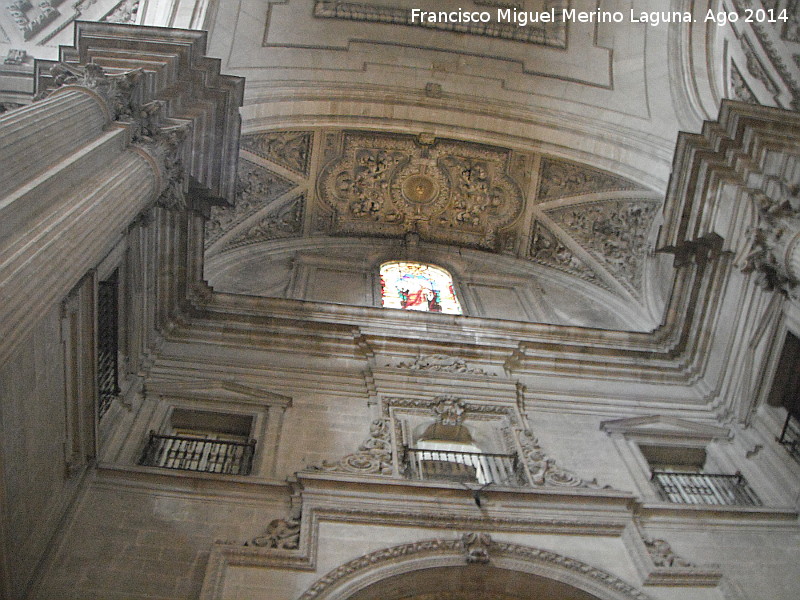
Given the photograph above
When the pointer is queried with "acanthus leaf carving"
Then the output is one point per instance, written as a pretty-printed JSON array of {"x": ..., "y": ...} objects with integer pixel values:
[
  {"x": 280, "y": 534},
  {"x": 290, "y": 149},
  {"x": 614, "y": 232},
  {"x": 449, "y": 410},
  {"x": 256, "y": 188},
  {"x": 662, "y": 555},
  {"x": 477, "y": 547},
  {"x": 543, "y": 469},
  {"x": 374, "y": 455},
  {"x": 116, "y": 90},
  {"x": 548, "y": 250},
  {"x": 560, "y": 179},
  {"x": 282, "y": 222}
]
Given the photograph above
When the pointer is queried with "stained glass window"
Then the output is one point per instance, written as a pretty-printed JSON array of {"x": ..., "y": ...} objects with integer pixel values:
[{"x": 416, "y": 286}]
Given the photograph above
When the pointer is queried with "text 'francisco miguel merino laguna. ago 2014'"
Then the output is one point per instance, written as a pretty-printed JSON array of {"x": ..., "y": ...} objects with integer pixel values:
[{"x": 523, "y": 18}]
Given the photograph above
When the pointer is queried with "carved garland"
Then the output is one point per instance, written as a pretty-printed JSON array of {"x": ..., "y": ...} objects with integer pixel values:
[{"x": 476, "y": 548}]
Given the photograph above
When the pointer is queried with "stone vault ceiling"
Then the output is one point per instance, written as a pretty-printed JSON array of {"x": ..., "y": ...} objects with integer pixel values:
[{"x": 332, "y": 183}]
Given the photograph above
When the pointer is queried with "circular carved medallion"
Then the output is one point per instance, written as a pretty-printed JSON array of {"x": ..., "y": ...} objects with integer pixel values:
[{"x": 419, "y": 189}]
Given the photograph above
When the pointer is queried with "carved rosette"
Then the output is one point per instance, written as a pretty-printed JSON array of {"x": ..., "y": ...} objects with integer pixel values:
[
  {"x": 446, "y": 191},
  {"x": 374, "y": 456},
  {"x": 281, "y": 534}
]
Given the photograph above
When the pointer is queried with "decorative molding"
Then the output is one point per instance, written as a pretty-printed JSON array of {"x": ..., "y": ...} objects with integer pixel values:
[
  {"x": 659, "y": 427},
  {"x": 561, "y": 179},
  {"x": 544, "y": 34},
  {"x": 579, "y": 572},
  {"x": 15, "y": 57},
  {"x": 441, "y": 363},
  {"x": 289, "y": 149},
  {"x": 374, "y": 456},
  {"x": 31, "y": 21},
  {"x": 388, "y": 185}
]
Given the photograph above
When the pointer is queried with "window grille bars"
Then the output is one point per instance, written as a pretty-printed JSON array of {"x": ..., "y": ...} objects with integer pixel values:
[
  {"x": 704, "y": 488},
  {"x": 188, "y": 453},
  {"x": 476, "y": 467},
  {"x": 107, "y": 339}
]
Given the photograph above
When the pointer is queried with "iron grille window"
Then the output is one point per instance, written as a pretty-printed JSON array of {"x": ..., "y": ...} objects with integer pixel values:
[
  {"x": 201, "y": 454},
  {"x": 704, "y": 488},
  {"x": 477, "y": 467},
  {"x": 107, "y": 339}
]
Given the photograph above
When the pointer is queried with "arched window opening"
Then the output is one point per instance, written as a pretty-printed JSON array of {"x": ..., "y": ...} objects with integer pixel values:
[{"x": 417, "y": 286}]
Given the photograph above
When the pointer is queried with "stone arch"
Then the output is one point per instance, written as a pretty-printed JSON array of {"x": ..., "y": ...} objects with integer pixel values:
[{"x": 391, "y": 573}]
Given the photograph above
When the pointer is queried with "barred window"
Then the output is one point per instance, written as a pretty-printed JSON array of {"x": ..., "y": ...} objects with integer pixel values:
[{"x": 107, "y": 342}]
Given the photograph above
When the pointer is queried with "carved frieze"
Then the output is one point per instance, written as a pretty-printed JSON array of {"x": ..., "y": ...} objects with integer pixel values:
[
  {"x": 548, "y": 250},
  {"x": 614, "y": 232},
  {"x": 561, "y": 178},
  {"x": 256, "y": 187},
  {"x": 553, "y": 34},
  {"x": 290, "y": 149},
  {"x": 446, "y": 191},
  {"x": 374, "y": 456},
  {"x": 282, "y": 222},
  {"x": 441, "y": 363}
]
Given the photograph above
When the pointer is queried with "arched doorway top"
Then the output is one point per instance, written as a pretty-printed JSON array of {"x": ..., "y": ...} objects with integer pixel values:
[{"x": 382, "y": 573}]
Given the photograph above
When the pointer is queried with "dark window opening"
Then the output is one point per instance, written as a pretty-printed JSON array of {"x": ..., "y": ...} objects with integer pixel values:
[
  {"x": 107, "y": 342},
  {"x": 203, "y": 442},
  {"x": 678, "y": 474},
  {"x": 786, "y": 392}
]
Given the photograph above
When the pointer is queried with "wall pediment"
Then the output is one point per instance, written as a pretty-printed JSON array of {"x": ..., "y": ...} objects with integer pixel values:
[{"x": 663, "y": 427}]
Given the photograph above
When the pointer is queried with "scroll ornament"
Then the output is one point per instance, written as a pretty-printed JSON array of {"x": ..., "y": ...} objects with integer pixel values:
[{"x": 374, "y": 456}]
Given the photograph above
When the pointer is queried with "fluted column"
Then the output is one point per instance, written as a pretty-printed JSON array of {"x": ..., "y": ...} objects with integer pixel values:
[
  {"x": 69, "y": 188},
  {"x": 40, "y": 135}
]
